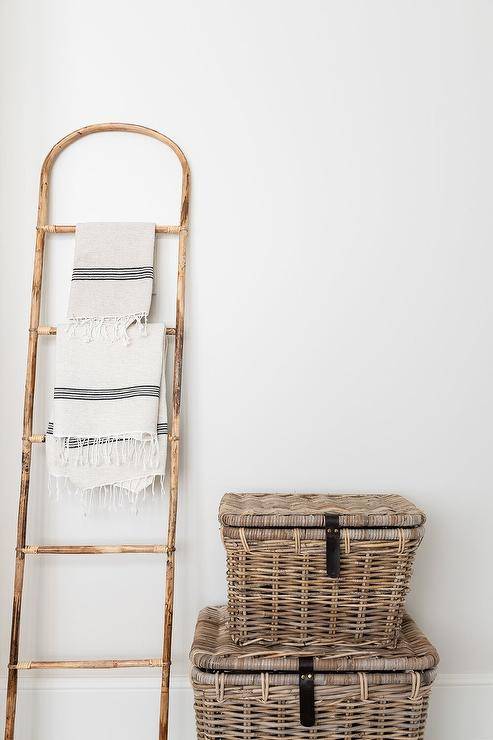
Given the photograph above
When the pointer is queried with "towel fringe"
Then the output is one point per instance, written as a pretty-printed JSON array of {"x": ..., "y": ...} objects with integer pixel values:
[
  {"x": 115, "y": 449},
  {"x": 126, "y": 495},
  {"x": 106, "y": 328}
]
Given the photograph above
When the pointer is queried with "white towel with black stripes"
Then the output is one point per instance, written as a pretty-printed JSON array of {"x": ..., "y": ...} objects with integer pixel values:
[
  {"x": 112, "y": 279},
  {"x": 107, "y": 440}
]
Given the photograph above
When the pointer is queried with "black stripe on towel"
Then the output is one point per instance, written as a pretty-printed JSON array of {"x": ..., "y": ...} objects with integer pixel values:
[
  {"x": 106, "y": 394},
  {"x": 113, "y": 273}
]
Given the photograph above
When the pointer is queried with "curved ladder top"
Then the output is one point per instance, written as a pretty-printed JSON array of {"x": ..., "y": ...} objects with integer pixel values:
[{"x": 96, "y": 128}]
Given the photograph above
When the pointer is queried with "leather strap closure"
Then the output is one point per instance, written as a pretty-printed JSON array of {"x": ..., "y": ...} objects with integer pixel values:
[
  {"x": 307, "y": 692},
  {"x": 333, "y": 545}
]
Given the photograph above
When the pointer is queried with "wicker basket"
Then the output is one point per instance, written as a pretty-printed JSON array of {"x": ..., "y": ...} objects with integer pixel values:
[
  {"x": 311, "y": 569},
  {"x": 252, "y": 692}
]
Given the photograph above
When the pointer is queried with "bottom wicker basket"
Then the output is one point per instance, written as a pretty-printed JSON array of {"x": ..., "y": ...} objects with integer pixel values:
[{"x": 343, "y": 694}]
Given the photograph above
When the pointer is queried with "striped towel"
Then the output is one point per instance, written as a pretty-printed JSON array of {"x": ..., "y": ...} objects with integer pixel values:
[
  {"x": 112, "y": 279},
  {"x": 108, "y": 437}
]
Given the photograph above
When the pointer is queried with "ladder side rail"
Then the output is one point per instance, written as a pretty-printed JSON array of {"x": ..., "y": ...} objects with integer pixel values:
[
  {"x": 12, "y": 680},
  {"x": 174, "y": 441}
]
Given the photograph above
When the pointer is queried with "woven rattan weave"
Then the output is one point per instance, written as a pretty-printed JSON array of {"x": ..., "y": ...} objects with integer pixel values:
[
  {"x": 252, "y": 692},
  {"x": 278, "y": 586}
]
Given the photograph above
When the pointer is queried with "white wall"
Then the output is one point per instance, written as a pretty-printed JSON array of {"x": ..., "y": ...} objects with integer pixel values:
[{"x": 339, "y": 325}]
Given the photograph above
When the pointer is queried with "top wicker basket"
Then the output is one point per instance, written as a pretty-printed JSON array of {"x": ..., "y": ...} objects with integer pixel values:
[{"x": 314, "y": 569}]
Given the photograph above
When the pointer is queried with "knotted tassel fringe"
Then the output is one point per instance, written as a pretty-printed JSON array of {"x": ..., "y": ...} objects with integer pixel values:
[
  {"x": 106, "y": 328},
  {"x": 118, "y": 450}
]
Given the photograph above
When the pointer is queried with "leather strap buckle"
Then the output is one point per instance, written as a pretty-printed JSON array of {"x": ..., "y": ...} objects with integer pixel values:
[
  {"x": 307, "y": 692},
  {"x": 333, "y": 545}
]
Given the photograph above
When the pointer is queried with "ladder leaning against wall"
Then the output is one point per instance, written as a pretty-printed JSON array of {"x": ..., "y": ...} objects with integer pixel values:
[{"x": 28, "y": 439}]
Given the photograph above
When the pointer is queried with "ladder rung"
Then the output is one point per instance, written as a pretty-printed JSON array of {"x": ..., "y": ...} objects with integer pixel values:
[
  {"x": 36, "y": 438},
  {"x": 91, "y": 549},
  {"x": 55, "y": 664},
  {"x": 70, "y": 229},
  {"x": 40, "y": 438},
  {"x": 51, "y": 330}
]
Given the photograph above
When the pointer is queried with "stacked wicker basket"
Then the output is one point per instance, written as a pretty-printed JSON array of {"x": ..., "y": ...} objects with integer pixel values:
[{"x": 314, "y": 642}]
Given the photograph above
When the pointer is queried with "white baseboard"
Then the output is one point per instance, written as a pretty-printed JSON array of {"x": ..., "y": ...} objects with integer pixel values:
[
  {"x": 464, "y": 679},
  {"x": 461, "y": 707},
  {"x": 83, "y": 680}
]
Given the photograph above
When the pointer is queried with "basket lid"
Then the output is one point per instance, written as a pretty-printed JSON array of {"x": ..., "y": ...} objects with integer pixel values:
[
  {"x": 213, "y": 650},
  {"x": 309, "y": 510}
]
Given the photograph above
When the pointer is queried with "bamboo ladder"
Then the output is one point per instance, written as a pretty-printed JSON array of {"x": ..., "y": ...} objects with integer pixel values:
[{"x": 28, "y": 438}]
